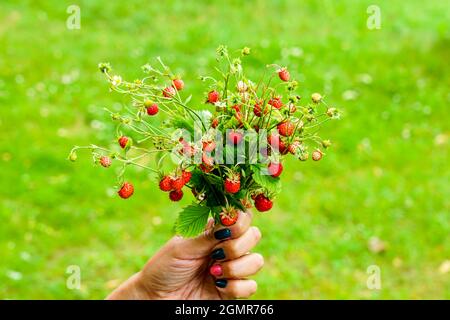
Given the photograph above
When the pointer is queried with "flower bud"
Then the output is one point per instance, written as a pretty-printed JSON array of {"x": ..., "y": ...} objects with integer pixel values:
[
  {"x": 316, "y": 97},
  {"x": 73, "y": 156},
  {"x": 104, "y": 67},
  {"x": 326, "y": 143},
  {"x": 245, "y": 51}
]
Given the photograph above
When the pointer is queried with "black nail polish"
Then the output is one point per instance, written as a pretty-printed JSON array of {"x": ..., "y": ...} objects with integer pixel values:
[
  {"x": 221, "y": 283},
  {"x": 222, "y": 234},
  {"x": 218, "y": 254}
]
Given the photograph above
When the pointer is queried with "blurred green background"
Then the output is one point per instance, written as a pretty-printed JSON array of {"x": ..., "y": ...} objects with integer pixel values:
[{"x": 379, "y": 197}]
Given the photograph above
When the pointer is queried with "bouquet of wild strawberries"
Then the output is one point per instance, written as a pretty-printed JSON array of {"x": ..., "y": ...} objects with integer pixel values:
[{"x": 230, "y": 158}]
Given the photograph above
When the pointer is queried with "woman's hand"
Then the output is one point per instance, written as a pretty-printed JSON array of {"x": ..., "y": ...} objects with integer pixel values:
[{"x": 214, "y": 265}]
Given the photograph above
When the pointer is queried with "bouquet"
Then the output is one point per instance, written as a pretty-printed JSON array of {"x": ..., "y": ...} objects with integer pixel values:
[{"x": 230, "y": 155}]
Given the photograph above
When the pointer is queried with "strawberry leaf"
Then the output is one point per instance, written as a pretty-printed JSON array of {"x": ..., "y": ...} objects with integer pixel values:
[
  {"x": 268, "y": 182},
  {"x": 192, "y": 220}
]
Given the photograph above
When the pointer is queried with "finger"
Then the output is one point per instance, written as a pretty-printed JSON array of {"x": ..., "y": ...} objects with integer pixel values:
[
  {"x": 242, "y": 267},
  {"x": 202, "y": 245},
  {"x": 233, "y": 289},
  {"x": 236, "y": 230},
  {"x": 236, "y": 248}
]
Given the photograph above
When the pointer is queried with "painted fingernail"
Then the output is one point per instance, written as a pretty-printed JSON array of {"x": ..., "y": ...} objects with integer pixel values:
[
  {"x": 216, "y": 270},
  {"x": 221, "y": 283},
  {"x": 222, "y": 234},
  {"x": 218, "y": 254}
]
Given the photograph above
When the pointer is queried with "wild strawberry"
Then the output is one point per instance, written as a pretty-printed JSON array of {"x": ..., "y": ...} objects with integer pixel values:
[
  {"x": 205, "y": 168},
  {"x": 317, "y": 155},
  {"x": 152, "y": 109},
  {"x": 169, "y": 92},
  {"x": 213, "y": 96},
  {"x": 165, "y": 184},
  {"x": 276, "y": 102},
  {"x": 177, "y": 183},
  {"x": 228, "y": 216},
  {"x": 123, "y": 141},
  {"x": 176, "y": 195},
  {"x": 262, "y": 203},
  {"x": 277, "y": 143},
  {"x": 292, "y": 108},
  {"x": 207, "y": 160},
  {"x": 232, "y": 184},
  {"x": 246, "y": 203},
  {"x": 294, "y": 147},
  {"x": 178, "y": 84},
  {"x": 284, "y": 75},
  {"x": 258, "y": 111},
  {"x": 286, "y": 128},
  {"x": 234, "y": 137},
  {"x": 186, "y": 175},
  {"x": 275, "y": 169},
  {"x": 105, "y": 161},
  {"x": 215, "y": 123},
  {"x": 126, "y": 190},
  {"x": 209, "y": 146}
]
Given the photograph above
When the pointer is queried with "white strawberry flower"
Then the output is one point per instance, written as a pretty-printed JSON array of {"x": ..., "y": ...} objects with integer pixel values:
[
  {"x": 116, "y": 81},
  {"x": 241, "y": 86}
]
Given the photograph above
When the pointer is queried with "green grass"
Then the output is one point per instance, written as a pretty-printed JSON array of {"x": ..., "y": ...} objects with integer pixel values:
[{"x": 387, "y": 175}]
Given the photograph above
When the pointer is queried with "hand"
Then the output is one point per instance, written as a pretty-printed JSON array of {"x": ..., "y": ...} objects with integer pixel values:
[{"x": 214, "y": 265}]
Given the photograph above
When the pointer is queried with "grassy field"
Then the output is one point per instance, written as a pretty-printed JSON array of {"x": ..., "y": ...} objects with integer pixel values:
[{"x": 386, "y": 177}]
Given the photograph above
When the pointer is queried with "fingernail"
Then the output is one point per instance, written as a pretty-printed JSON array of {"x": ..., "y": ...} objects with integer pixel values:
[
  {"x": 221, "y": 283},
  {"x": 216, "y": 270},
  {"x": 218, "y": 254},
  {"x": 222, "y": 234}
]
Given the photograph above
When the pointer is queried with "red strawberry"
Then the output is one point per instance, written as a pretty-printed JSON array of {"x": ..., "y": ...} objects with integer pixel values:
[
  {"x": 286, "y": 128},
  {"x": 178, "y": 84},
  {"x": 187, "y": 175},
  {"x": 228, "y": 216},
  {"x": 276, "y": 102},
  {"x": 177, "y": 183},
  {"x": 257, "y": 109},
  {"x": 169, "y": 92},
  {"x": 284, "y": 75},
  {"x": 209, "y": 146},
  {"x": 105, "y": 161},
  {"x": 317, "y": 155},
  {"x": 275, "y": 169},
  {"x": 205, "y": 168},
  {"x": 152, "y": 109},
  {"x": 176, "y": 195},
  {"x": 234, "y": 137},
  {"x": 126, "y": 190},
  {"x": 165, "y": 184},
  {"x": 277, "y": 144},
  {"x": 262, "y": 203},
  {"x": 207, "y": 160},
  {"x": 123, "y": 141},
  {"x": 215, "y": 123},
  {"x": 213, "y": 96},
  {"x": 232, "y": 184}
]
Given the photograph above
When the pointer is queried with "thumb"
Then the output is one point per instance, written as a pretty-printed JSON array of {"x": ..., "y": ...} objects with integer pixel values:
[{"x": 202, "y": 244}]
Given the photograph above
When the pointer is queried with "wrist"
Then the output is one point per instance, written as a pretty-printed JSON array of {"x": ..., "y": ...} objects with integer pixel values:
[{"x": 132, "y": 289}]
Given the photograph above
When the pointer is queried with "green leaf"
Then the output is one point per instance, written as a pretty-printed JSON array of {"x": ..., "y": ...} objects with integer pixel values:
[
  {"x": 266, "y": 181},
  {"x": 192, "y": 220}
]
